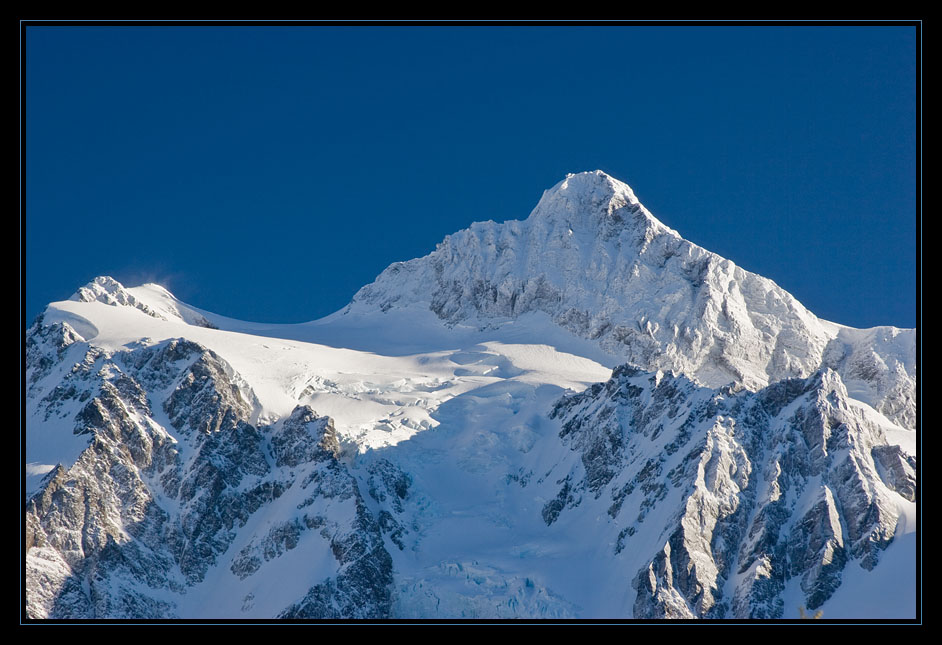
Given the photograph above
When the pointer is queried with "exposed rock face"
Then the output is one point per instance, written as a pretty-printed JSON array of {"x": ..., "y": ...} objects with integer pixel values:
[
  {"x": 898, "y": 470},
  {"x": 361, "y": 588},
  {"x": 389, "y": 487},
  {"x": 593, "y": 259},
  {"x": 95, "y": 536},
  {"x": 148, "y": 509},
  {"x": 304, "y": 437},
  {"x": 46, "y": 346},
  {"x": 779, "y": 484}
]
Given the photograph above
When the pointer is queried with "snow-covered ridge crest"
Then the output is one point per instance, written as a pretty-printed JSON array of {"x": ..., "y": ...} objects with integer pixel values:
[
  {"x": 152, "y": 299},
  {"x": 109, "y": 291},
  {"x": 605, "y": 269}
]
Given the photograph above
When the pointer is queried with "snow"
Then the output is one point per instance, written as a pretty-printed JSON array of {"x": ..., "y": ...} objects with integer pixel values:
[
  {"x": 375, "y": 399},
  {"x": 461, "y": 405},
  {"x": 887, "y": 592},
  {"x": 223, "y": 595},
  {"x": 33, "y": 469},
  {"x": 463, "y": 409},
  {"x": 895, "y": 434},
  {"x": 164, "y": 303},
  {"x": 485, "y": 393}
]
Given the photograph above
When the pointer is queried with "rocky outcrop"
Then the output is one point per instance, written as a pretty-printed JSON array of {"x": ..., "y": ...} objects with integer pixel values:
[
  {"x": 304, "y": 437},
  {"x": 788, "y": 482},
  {"x": 46, "y": 346},
  {"x": 147, "y": 509},
  {"x": 897, "y": 469},
  {"x": 96, "y": 536},
  {"x": 361, "y": 588}
]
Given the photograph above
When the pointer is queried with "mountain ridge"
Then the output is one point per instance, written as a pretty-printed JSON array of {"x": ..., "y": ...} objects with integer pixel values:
[
  {"x": 636, "y": 288},
  {"x": 437, "y": 447}
]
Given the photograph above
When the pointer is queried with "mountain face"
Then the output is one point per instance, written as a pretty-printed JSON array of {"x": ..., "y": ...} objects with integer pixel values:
[
  {"x": 742, "y": 460},
  {"x": 593, "y": 259},
  {"x": 142, "y": 516},
  {"x": 762, "y": 487}
]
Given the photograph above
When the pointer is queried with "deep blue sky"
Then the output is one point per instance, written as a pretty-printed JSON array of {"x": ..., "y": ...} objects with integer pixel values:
[{"x": 266, "y": 173}]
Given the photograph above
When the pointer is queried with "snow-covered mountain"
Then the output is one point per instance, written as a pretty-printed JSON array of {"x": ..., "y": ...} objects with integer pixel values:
[
  {"x": 595, "y": 261},
  {"x": 577, "y": 415}
]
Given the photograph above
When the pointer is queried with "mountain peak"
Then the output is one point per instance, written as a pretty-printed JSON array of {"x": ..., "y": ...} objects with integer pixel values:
[
  {"x": 103, "y": 284},
  {"x": 109, "y": 291},
  {"x": 599, "y": 265},
  {"x": 595, "y": 200},
  {"x": 152, "y": 299},
  {"x": 593, "y": 181},
  {"x": 591, "y": 185}
]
